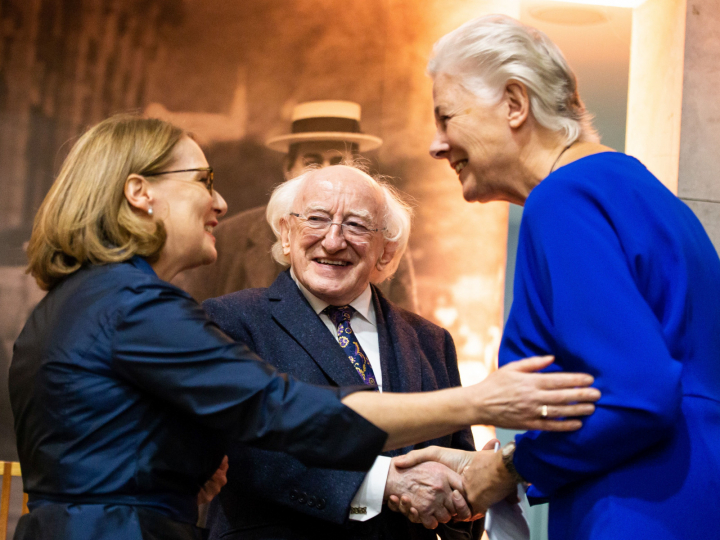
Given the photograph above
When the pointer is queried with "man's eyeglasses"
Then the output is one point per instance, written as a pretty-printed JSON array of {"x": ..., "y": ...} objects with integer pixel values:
[
  {"x": 208, "y": 180},
  {"x": 352, "y": 229}
]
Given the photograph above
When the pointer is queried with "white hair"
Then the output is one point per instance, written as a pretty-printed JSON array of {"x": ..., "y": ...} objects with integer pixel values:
[
  {"x": 396, "y": 219},
  {"x": 487, "y": 52}
]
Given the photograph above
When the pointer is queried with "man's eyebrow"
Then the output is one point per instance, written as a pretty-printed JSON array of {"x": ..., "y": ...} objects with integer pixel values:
[{"x": 364, "y": 214}]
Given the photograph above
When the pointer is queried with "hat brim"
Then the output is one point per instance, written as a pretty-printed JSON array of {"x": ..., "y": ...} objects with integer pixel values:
[{"x": 365, "y": 142}]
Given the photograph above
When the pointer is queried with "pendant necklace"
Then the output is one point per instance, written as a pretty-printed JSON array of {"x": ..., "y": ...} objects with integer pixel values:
[{"x": 559, "y": 156}]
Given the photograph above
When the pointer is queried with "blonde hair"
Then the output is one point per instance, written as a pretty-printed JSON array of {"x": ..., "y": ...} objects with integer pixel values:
[
  {"x": 85, "y": 217},
  {"x": 396, "y": 220}
]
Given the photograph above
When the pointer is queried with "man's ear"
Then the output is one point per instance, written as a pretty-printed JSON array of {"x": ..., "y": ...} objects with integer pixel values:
[
  {"x": 518, "y": 101},
  {"x": 285, "y": 237},
  {"x": 137, "y": 193},
  {"x": 387, "y": 256}
]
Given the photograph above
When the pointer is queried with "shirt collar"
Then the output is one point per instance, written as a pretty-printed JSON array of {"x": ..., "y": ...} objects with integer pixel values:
[
  {"x": 362, "y": 304},
  {"x": 141, "y": 264}
]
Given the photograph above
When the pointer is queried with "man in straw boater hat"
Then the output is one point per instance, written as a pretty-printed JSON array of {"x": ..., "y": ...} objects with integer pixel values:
[{"x": 323, "y": 133}]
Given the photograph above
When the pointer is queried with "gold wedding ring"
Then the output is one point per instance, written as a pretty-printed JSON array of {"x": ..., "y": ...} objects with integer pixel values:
[{"x": 543, "y": 411}]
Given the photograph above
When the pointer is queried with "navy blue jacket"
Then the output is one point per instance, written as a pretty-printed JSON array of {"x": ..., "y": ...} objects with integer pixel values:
[
  {"x": 125, "y": 394},
  {"x": 270, "y": 494}
]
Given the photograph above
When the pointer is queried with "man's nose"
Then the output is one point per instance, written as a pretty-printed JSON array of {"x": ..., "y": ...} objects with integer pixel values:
[
  {"x": 334, "y": 239},
  {"x": 439, "y": 146}
]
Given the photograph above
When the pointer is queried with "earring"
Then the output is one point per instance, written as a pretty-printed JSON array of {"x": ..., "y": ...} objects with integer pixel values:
[{"x": 150, "y": 211}]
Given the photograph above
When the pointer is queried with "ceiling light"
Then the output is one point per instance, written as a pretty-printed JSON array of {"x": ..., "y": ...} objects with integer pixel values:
[
  {"x": 610, "y": 3},
  {"x": 568, "y": 15}
]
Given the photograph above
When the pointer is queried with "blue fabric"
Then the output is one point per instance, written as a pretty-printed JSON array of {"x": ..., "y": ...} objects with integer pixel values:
[
  {"x": 276, "y": 496},
  {"x": 125, "y": 394},
  {"x": 340, "y": 317},
  {"x": 616, "y": 277}
]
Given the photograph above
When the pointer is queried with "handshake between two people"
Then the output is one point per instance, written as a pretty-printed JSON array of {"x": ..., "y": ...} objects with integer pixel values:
[{"x": 437, "y": 485}]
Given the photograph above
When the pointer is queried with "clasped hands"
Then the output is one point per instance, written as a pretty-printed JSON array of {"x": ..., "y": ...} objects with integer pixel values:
[{"x": 435, "y": 485}]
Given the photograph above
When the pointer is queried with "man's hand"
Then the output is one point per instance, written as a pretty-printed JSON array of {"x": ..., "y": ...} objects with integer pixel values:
[
  {"x": 213, "y": 486},
  {"x": 429, "y": 493}
]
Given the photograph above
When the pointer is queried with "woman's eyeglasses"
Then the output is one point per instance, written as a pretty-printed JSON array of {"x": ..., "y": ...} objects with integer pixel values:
[{"x": 207, "y": 179}]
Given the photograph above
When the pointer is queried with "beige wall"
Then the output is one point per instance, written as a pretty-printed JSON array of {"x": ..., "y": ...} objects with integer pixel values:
[
  {"x": 655, "y": 87},
  {"x": 699, "y": 170},
  {"x": 673, "y": 107}
]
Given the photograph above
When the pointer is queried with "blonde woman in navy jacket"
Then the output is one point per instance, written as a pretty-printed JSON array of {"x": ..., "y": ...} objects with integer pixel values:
[{"x": 124, "y": 393}]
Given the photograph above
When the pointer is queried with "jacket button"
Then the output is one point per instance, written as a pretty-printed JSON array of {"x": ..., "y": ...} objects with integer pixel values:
[
  {"x": 312, "y": 501},
  {"x": 293, "y": 494},
  {"x": 320, "y": 504},
  {"x": 302, "y": 498}
]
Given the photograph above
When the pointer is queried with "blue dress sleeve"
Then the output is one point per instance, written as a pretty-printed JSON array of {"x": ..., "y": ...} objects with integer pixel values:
[
  {"x": 577, "y": 297},
  {"x": 164, "y": 343}
]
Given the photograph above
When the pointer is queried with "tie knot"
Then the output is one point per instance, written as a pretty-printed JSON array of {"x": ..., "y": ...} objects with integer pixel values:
[{"x": 339, "y": 314}]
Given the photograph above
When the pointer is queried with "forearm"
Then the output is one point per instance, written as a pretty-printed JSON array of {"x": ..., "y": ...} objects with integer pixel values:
[
  {"x": 610, "y": 437},
  {"x": 413, "y": 418},
  {"x": 277, "y": 478},
  {"x": 511, "y": 397}
]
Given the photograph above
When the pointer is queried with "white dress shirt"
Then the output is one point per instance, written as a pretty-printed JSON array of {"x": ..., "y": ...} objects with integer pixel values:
[{"x": 368, "y": 500}]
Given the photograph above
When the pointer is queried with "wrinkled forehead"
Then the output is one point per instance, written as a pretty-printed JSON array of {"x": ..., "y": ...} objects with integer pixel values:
[{"x": 340, "y": 188}]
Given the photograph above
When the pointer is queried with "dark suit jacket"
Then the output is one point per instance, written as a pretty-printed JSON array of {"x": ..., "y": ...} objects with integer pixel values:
[
  {"x": 243, "y": 244},
  {"x": 270, "y": 494}
]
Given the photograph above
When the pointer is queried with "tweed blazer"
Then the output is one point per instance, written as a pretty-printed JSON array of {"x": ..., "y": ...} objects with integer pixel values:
[{"x": 270, "y": 494}]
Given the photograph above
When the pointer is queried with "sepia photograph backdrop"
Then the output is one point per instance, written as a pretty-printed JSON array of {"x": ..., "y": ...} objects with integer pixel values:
[{"x": 231, "y": 71}]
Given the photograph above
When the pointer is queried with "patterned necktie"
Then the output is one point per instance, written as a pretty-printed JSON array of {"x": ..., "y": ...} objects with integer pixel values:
[{"x": 340, "y": 316}]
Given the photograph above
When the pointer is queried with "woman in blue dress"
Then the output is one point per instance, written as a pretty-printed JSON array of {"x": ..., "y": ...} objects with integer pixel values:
[
  {"x": 125, "y": 395},
  {"x": 615, "y": 277}
]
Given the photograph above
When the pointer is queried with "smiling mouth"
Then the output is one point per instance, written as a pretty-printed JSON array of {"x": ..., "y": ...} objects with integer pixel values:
[
  {"x": 459, "y": 165},
  {"x": 332, "y": 262}
]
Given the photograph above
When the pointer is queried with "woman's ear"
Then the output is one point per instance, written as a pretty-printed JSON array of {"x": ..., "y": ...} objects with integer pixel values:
[
  {"x": 138, "y": 194},
  {"x": 516, "y": 96}
]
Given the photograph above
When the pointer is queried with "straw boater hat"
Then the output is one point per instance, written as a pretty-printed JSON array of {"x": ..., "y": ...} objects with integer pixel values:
[{"x": 325, "y": 121}]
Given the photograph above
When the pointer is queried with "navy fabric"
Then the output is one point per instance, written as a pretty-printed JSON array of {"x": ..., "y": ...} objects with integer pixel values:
[
  {"x": 125, "y": 395},
  {"x": 290, "y": 500},
  {"x": 616, "y": 277}
]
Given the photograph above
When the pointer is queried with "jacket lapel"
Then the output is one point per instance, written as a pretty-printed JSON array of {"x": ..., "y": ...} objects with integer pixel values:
[
  {"x": 400, "y": 354},
  {"x": 292, "y": 312}
]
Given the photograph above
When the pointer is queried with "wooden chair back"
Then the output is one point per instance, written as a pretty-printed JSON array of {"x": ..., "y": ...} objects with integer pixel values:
[{"x": 9, "y": 469}]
